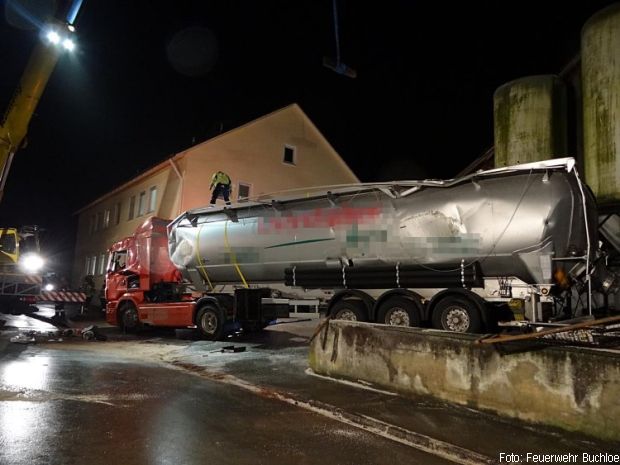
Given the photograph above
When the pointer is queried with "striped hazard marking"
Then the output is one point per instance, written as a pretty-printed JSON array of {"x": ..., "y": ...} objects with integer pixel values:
[{"x": 62, "y": 296}]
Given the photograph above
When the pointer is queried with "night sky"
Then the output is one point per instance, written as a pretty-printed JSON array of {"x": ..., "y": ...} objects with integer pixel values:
[{"x": 152, "y": 78}]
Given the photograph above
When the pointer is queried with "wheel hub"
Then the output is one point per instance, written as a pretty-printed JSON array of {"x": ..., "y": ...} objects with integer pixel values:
[
  {"x": 130, "y": 318},
  {"x": 457, "y": 320},
  {"x": 208, "y": 322},
  {"x": 398, "y": 317},
  {"x": 346, "y": 315}
]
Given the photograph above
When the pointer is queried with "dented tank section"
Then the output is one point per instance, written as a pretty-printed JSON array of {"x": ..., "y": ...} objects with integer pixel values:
[{"x": 526, "y": 221}]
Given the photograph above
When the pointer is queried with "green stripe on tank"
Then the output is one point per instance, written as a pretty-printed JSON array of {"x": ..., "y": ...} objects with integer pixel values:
[{"x": 299, "y": 242}]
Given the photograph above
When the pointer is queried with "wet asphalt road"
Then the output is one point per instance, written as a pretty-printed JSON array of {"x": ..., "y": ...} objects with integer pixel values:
[
  {"x": 156, "y": 399},
  {"x": 76, "y": 407}
]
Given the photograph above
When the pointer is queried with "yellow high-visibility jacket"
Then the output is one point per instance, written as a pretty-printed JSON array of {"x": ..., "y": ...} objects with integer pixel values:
[{"x": 220, "y": 178}]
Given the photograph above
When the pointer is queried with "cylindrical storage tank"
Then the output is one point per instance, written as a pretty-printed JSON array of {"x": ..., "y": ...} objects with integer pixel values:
[
  {"x": 600, "y": 68},
  {"x": 529, "y": 120}
]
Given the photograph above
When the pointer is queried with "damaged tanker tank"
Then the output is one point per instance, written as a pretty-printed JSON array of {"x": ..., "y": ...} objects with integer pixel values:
[{"x": 511, "y": 233}]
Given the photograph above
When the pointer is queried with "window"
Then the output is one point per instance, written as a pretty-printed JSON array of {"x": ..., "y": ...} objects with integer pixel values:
[
  {"x": 289, "y": 154},
  {"x": 243, "y": 191},
  {"x": 87, "y": 267},
  {"x": 106, "y": 218},
  {"x": 8, "y": 241},
  {"x": 99, "y": 222},
  {"x": 152, "y": 199},
  {"x": 142, "y": 203},
  {"x": 102, "y": 262},
  {"x": 117, "y": 213},
  {"x": 93, "y": 265},
  {"x": 132, "y": 206}
]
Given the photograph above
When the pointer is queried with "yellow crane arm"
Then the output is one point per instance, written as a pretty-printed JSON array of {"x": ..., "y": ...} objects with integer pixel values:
[{"x": 17, "y": 117}]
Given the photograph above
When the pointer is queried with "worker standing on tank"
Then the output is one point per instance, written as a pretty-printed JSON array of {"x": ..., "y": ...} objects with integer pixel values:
[{"x": 221, "y": 185}]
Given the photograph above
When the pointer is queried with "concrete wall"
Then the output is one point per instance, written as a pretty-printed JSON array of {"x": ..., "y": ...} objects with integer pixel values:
[{"x": 578, "y": 390}]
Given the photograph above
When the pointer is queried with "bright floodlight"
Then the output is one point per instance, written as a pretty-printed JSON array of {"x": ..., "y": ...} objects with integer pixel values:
[
  {"x": 32, "y": 263},
  {"x": 49, "y": 287},
  {"x": 53, "y": 37},
  {"x": 68, "y": 44}
]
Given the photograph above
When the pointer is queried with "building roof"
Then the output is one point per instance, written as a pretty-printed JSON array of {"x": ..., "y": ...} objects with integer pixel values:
[{"x": 171, "y": 160}]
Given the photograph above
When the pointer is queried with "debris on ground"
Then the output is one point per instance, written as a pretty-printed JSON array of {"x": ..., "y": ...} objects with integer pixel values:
[
  {"x": 229, "y": 349},
  {"x": 90, "y": 333},
  {"x": 153, "y": 340},
  {"x": 23, "y": 338},
  {"x": 592, "y": 332}
]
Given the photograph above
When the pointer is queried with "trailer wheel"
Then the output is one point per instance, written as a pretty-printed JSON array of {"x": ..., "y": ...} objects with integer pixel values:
[
  {"x": 210, "y": 321},
  {"x": 351, "y": 310},
  {"x": 128, "y": 317},
  {"x": 399, "y": 311},
  {"x": 458, "y": 314}
]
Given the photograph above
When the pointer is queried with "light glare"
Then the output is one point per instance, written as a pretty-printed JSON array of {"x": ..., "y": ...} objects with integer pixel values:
[
  {"x": 32, "y": 263},
  {"x": 53, "y": 37},
  {"x": 68, "y": 44}
]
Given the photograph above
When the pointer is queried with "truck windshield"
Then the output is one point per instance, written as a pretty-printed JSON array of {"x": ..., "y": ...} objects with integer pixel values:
[{"x": 118, "y": 260}]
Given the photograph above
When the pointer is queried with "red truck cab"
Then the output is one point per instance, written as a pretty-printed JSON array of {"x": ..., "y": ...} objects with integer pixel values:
[{"x": 142, "y": 285}]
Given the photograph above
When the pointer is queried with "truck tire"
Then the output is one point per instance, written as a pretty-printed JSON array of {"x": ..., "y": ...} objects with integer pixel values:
[
  {"x": 458, "y": 314},
  {"x": 128, "y": 317},
  {"x": 399, "y": 311},
  {"x": 351, "y": 310},
  {"x": 210, "y": 321}
]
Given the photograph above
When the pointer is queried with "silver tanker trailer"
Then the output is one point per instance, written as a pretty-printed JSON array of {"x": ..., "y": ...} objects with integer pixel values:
[{"x": 509, "y": 244}]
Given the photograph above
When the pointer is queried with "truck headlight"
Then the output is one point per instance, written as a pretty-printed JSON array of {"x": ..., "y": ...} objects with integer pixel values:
[{"x": 31, "y": 263}]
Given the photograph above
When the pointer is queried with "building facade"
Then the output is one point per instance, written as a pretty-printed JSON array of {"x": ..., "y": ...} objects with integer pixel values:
[{"x": 280, "y": 151}]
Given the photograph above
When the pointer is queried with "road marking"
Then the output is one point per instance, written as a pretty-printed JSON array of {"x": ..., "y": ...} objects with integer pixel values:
[{"x": 394, "y": 433}]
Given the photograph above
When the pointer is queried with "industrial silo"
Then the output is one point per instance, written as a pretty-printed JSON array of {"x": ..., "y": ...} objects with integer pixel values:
[
  {"x": 600, "y": 68},
  {"x": 529, "y": 120}
]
